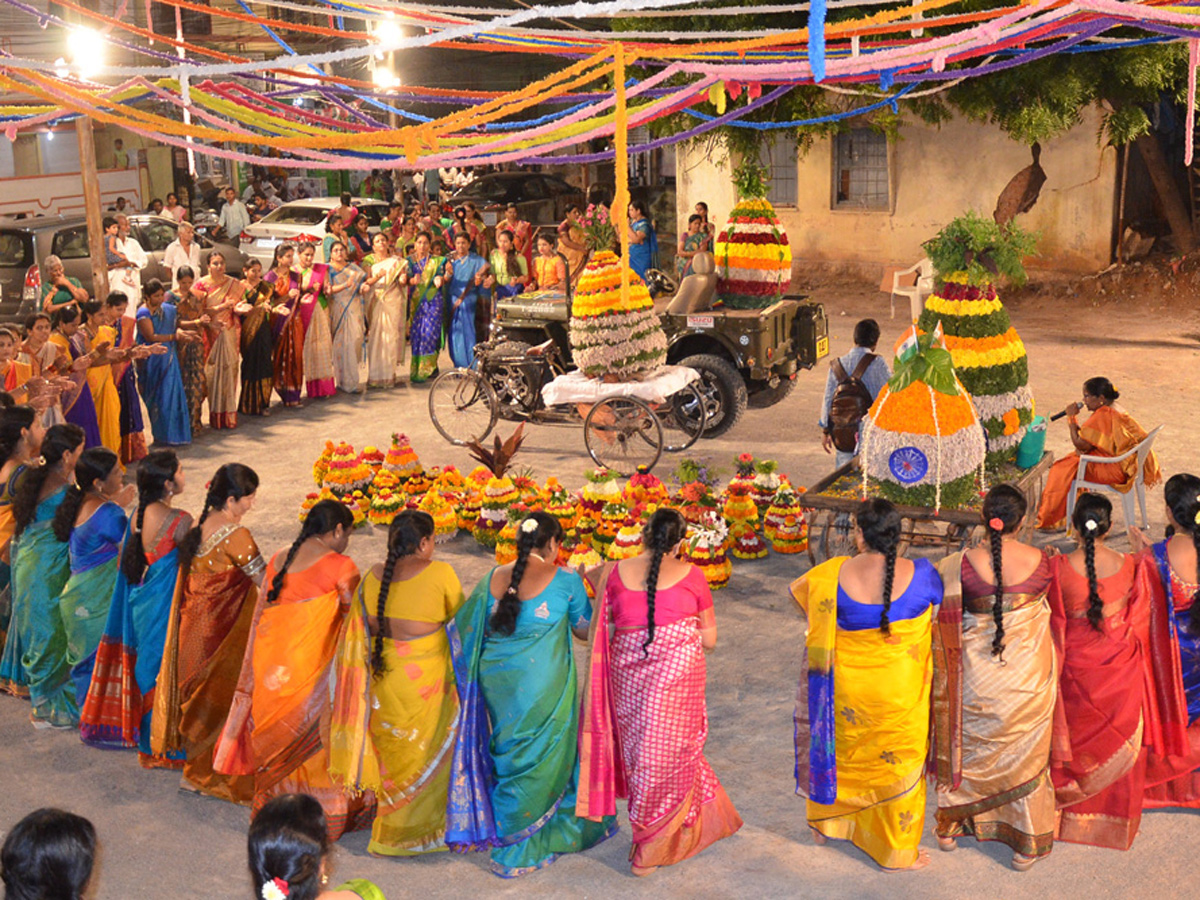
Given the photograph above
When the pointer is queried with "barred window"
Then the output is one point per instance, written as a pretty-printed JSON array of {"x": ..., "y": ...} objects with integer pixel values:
[
  {"x": 860, "y": 170},
  {"x": 778, "y": 154}
]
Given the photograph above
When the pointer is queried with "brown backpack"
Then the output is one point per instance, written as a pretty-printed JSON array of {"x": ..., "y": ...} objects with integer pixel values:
[{"x": 850, "y": 403}]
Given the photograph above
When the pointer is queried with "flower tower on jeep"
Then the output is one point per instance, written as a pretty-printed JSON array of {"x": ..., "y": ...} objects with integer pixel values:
[
  {"x": 754, "y": 259},
  {"x": 968, "y": 257},
  {"x": 612, "y": 339}
]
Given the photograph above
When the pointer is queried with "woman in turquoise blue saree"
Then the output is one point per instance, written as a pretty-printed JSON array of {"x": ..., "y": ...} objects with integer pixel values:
[
  {"x": 516, "y": 762},
  {"x": 35, "y": 651}
]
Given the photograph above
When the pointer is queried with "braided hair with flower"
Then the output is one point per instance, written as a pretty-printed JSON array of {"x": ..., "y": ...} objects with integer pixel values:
[
  {"x": 60, "y": 440},
  {"x": 1003, "y": 511},
  {"x": 665, "y": 529},
  {"x": 880, "y": 524},
  {"x": 1092, "y": 519},
  {"x": 1182, "y": 493},
  {"x": 155, "y": 471},
  {"x": 535, "y": 532},
  {"x": 408, "y": 530},
  {"x": 287, "y": 844},
  {"x": 233, "y": 481},
  {"x": 322, "y": 519}
]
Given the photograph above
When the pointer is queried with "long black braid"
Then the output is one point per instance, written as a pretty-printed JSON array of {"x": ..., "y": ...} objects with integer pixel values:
[
  {"x": 529, "y": 538},
  {"x": 59, "y": 441},
  {"x": 232, "y": 481},
  {"x": 95, "y": 464},
  {"x": 1003, "y": 511},
  {"x": 154, "y": 472},
  {"x": 408, "y": 530},
  {"x": 665, "y": 529},
  {"x": 323, "y": 518},
  {"x": 1092, "y": 519},
  {"x": 14, "y": 423},
  {"x": 881, "y": 525},
  {"x": 1182, "y": 493}
]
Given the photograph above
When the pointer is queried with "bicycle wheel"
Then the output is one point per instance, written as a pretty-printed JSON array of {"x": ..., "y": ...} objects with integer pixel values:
[
  {"x": 622, "y": 433},
  {"x": 684, "y": 419},
  {"x": 462, "y": 406}
]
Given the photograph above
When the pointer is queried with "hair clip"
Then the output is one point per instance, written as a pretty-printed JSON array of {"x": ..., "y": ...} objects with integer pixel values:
[{"x": 996, "y": 523}]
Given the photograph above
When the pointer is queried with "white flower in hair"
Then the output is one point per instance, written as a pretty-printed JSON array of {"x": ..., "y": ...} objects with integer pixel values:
[
  {"x": 272, "y": 891},
  {"x": 529, "y": 526},
  {"x": 1091, "y": 525}
]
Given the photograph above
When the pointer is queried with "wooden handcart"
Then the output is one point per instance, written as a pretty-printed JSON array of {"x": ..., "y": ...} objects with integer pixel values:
[{"x": 831, "y": 527}]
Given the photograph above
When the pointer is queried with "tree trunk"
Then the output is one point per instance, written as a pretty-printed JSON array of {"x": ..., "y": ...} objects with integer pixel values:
[{"x": 1168, "y": 193}]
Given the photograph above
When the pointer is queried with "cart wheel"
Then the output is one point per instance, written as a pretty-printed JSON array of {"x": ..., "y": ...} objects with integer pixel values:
[
  {"x": 837, "y": 535},
  {"x": 462, "y": 406},
  {"x": 684, "y": 420},
  {"x": 622, "y": 433}
]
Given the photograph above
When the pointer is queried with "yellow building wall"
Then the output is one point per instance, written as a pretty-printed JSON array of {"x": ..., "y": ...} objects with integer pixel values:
[{"x": 935, "y": 175}]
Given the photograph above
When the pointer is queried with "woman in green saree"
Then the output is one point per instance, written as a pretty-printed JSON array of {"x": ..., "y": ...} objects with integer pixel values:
[
  {"x": 513, "y": 785},
  {"x": 425, "y": 308}
]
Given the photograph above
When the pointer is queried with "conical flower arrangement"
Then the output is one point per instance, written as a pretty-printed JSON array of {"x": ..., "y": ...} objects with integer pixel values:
[
  {"x": 754, "y": 259},
  {"x": 611, "y": 339}
]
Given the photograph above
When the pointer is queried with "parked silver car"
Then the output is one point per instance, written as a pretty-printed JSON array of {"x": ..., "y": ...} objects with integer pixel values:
[
  {"x": 302, "y": 221},
  {"x": 25, "y": 244}
]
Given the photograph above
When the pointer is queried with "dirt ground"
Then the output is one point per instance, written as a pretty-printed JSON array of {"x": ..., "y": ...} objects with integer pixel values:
[{"x": 157, "y": 842}]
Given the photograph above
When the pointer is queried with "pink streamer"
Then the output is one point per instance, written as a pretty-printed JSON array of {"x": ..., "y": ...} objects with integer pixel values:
[{"x": 1190, "y": 131}]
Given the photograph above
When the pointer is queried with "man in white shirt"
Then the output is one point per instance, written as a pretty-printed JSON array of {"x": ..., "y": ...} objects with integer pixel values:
[
  {"x": 183, "y": 251},
  {"x": 128, "y": 279},
  {"x": 234, "y": 216}
]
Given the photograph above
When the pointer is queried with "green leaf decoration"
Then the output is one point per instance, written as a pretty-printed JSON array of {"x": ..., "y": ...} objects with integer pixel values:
[
  {"x": 930, "y": 365},
  {"x": 976, "y": 245}
]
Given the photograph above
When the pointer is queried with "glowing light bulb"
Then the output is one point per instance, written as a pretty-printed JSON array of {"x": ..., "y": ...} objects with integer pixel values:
[{"x": 87, "y": 50}]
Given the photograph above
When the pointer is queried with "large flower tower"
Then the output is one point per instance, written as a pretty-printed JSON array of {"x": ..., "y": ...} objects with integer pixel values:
[
  {"x": 968, "y": 257},
  {"x": 754, "y": 259}
]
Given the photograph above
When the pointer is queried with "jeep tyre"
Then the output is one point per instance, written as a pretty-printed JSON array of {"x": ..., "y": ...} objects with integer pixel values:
[
  {"x": 723, "y": 390},
  {"x": 769, "y": 396}
]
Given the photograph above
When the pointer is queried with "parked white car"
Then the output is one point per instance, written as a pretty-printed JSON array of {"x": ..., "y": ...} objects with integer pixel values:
[{"x": 301, "y": 221}]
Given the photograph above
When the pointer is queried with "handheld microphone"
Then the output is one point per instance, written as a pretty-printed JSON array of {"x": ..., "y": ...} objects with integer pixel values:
[{"x": 1057, "y": 416}]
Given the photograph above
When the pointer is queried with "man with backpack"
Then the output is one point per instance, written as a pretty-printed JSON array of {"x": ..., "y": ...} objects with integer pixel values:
[{"x": 854, "y": 382}]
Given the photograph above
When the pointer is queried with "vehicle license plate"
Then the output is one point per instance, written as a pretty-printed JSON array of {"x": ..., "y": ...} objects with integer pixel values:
[
  {"x": 822, "y": 347},
  {"x": 701, "y": 321},
  {"x": 268, "y": 242}
]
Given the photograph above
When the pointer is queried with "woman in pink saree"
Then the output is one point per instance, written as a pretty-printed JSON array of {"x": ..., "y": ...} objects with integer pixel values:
[{"x": 645, "y": 719}]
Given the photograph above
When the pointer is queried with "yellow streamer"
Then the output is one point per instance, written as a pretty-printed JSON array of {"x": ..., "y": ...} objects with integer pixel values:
[{"x": 620, "y": 208}]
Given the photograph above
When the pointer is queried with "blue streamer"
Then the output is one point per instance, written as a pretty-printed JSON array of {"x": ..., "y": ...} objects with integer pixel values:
[{"x": 816, "y": 39}]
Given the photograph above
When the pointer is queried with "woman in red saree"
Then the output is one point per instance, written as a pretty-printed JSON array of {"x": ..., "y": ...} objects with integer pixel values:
[
  {"x": 274, "y": 727},
  {"x": 287, "y": 326},
  {"x": 1113, "y": 643},
  {"x": 656, "y": 717},
  {"x": 207, "y": 632},
  {"x": 1108, "y": 431}
]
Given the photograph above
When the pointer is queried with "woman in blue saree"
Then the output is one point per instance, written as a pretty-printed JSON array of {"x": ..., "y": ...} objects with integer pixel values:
[
  {"x": 513, "y": 785},
  {"x": 643, "y": 242},
  {"x": 123, "y": 671},
  {"x": 160, "y": 376},
  {"x": 35, "y": 650},
  {"x": 464, "y": 293},
  {"x": 425, "y": 307}
]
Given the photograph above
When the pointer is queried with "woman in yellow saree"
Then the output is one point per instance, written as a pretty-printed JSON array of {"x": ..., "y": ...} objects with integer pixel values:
[
  {"x": 862, "y": 708},
  {"x": 1108, "y": 431},
  {"x": 395, "y": 707},
  {"x": 995, "y": 688},
  {"x": 274, "y": 727},
  {"x": 220, "y": 569}
]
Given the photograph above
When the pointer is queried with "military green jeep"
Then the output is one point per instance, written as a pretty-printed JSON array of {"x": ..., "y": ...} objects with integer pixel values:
[{"x": 745, "y": 357}]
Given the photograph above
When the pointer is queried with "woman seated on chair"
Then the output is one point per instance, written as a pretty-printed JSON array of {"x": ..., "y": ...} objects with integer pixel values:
[{"x": 1108, "y": 431}]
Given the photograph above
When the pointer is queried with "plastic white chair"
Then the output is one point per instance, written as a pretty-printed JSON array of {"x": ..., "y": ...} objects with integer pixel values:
[
  {"x": 916, "y": 292},
  {"x": 1142, "y": 450}
]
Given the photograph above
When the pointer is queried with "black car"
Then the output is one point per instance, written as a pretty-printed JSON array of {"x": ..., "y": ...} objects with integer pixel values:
[{"x": 541, "y": 199}]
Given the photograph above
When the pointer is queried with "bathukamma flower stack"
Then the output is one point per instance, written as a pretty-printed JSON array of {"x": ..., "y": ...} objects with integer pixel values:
[{"x": 609, "y": 337}]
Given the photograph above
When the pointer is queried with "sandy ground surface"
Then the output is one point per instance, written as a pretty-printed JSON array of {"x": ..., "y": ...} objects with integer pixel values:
[{"x": 158, "y": 843}]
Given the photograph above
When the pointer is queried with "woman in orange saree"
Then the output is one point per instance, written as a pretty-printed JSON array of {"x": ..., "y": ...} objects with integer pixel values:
[
  {"x": 653, "y": 669},
  {"x": 995, "y": 685},
  {"x": 274, "y": 727},
  {"x": 1108, "y": 431},
  {"x": 1113, "y": 640},
  {"x": 287, "y": 326},
  {"x": 207, "y": 632}
]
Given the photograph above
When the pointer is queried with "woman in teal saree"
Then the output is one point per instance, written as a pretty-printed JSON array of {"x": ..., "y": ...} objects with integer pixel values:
[
  {"x": 514, "y": 782},
  {"x": 425, "y": 309},
  {"x": 36, "y": 648}
]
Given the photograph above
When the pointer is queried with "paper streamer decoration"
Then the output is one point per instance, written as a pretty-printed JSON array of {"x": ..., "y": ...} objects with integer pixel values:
[
  {"x": 816, "y": 40},
  {"x": 1190, "y": 129}
]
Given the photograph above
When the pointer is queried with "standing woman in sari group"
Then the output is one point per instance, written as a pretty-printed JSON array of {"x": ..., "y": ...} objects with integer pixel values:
[
  {"x": 124, "y": 372},
  {"x": 643, "y": 242},
  {"x": 220, "y": 294},
  {"x": 159, "y": 374},
  {"x": 425, "y": 301},
  {"x": 395, "y": 710},
  {"x": 77, "y": 404},
  {"x": 189, "y": 308},
  {"x": 387, "y": 276},
  {"x": 318, "y": 342},
  {"x": 517, "y": 673},
  {"x": 36, "y": 647},
  {"x": 1175, "y": 780},
  {"x": 98, "y": 331},
  {"x": 572, "y": 241},
  {"x": 1108, "y": 431},
  {"x": 123, "y": 674},
  {"x": 521, "y": 233},
  {"x": 347, "y": 318},
  {"x": 1114, "y": 648},
  {"x": 257, "y": 343},
  {"x": 21, "y": 435},
  {"x": 220, "y": 570},
  {"x": 655, "y": 666},
  {"x": 464, "y": 292},
  {"x": 862, "y": 709},
  {"x": 995, "y": 686},
  {"x": 509, "y": 272},
  {"x": 91, "y": 521},
  {"x": 273, "y": 731},
  {"x": 288, "y": 330}
]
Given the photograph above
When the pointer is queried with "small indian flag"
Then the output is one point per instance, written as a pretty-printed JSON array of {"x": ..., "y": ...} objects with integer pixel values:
[
  {"x": 907, "y": 348},
  {"x": 939, "y": 337}
]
